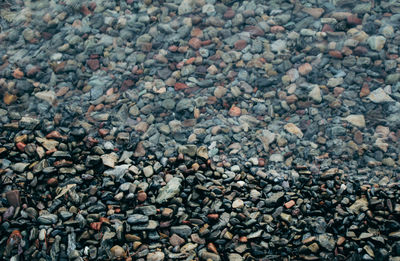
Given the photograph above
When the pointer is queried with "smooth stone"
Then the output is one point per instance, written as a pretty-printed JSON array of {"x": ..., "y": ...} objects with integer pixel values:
[
  {"x": 277, "y": 157},
  {"x": 238, "y": 203},
  {"x": 137, "y": 218},
  {"x": 48, "y": 219},
  {"x": 376, "y": 43},
  {"x": 156, "y": 256}
]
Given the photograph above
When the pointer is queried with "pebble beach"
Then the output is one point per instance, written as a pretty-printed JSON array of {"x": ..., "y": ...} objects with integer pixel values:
[{"x": 217, "y": 130}]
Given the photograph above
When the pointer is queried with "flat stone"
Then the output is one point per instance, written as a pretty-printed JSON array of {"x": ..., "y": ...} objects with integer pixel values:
[
  {"x": 48, "y": 219},
  {"x": 277, "y": 157},
  {"x": 156, "y": 256},
  {"x": 152, "y": 225},
  {"x": 137, "y": 218},
  {"x": 48, "y": 96},
  {"x": 356, "y": 120},
  {"x": 326, "y": 241},
  {"x": 305, "y": 69},
  {"x": 379, "y": 96},
  {"x": 109, "y": 160}
]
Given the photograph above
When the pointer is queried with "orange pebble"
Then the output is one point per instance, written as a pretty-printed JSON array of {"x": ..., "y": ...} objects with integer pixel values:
[
  {"x": 212, "y": 248},
  {"x": 243, "y": 239},
  {"x": 234, "y": 111},
  {"x": 9, "y": 98},
  {"x": 18, "y": 74},
  {"x": 290, "y": 204}
]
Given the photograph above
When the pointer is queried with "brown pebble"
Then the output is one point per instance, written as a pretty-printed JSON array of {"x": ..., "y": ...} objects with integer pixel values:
[
  {"x": 354, "y": 20},
  {"x": 141, "y": 196},
  {"x": 336, "y": 54},
  {"x": 195, "y": 43},
  {"x": 18, "y": 74},
  {"x": 52, "y": 182},
  {"x": 358, "y": 137},
  {"x": 212, "y": 248},
  {"x": 13, "y": 198},
  {"x": 364, "y": 90},
  {"x": 240, "y": 44},
  {"x": 305, "y": 69},
  {"x": 229, "y": 14}
]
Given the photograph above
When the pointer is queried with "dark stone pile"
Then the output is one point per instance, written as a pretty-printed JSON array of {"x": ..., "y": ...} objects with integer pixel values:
[{"x": 199, "y": 130}]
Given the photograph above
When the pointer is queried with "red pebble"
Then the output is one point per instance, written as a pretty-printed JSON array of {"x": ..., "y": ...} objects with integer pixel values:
[
  {"x": 93, "y": 64},
  {"x": 327, "y": 28},
  {"x": 240, "y": 44},
  {"x": 54, "y": 135},
  {"x": 213, "y": 216},
  {"x": 180, "y": 86},
  {"x": 96, "y": 225},
  {"x": 336, "y": 54},
  {"x": 277, "y": 29},
  {"x": 195, "y": 43},
  {"x": 52, "y": 182},
  {"x": 21, "y": 146},
  {"x": 353, "y": 20},
  {"x": 141, "y": 196}
]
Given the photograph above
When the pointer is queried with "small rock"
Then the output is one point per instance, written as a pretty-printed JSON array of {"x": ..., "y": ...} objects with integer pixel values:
[
  {"x": 48, "y": 219},
  {"x": 379, "y": 96},
  {"x": 148, "y": 171},
  {"x": 356, "y": 120},
  {"x": 49, "y": 96},
  {"x": 315, "y": 94},
  {"x": 183, "y": 230},
  {"x": 169, "y": 191},
  {"x": 117, "y": 253},
  {"x": 305, "y": 69},
  {"x": 238, "y": 203},
  {"x": 156, "y": 256},
  {"x": 293, "y": 129},
  {"x": 376, "y": 43}
]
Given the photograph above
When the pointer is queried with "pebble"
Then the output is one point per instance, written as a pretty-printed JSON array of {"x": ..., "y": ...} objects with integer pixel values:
[
  {"x": 156, "y": 256},
  {"x": 169, "y": 191},
  {"x": 293, "y": 129},
  {"x": 48, "y": 219},
  {"x": 379, "y": 96},
  {"x": 238, "y": 203},
  {"x": 356, "y": 120}
]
